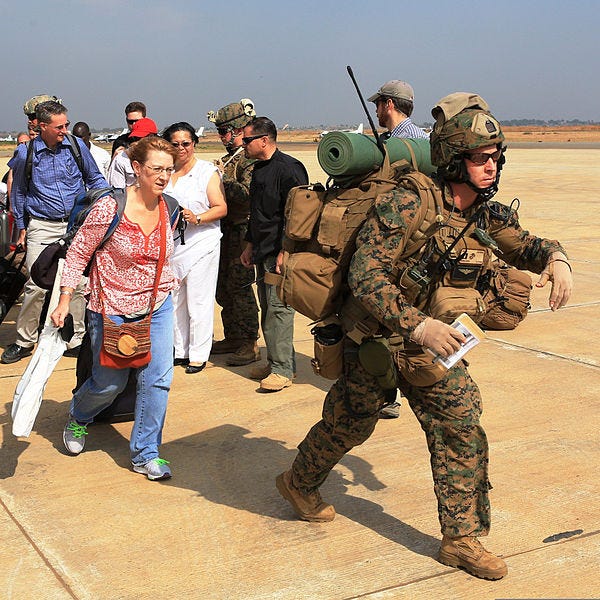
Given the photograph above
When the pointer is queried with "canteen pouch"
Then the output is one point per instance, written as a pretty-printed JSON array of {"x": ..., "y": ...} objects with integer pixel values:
[
  {"x": 447, "y": 303},
  {"x": 507, "y": 299},
  {"x": 126, "y": 345},
  {"x": 375, "y": 357},
  {"x": 328, "y": 358}
]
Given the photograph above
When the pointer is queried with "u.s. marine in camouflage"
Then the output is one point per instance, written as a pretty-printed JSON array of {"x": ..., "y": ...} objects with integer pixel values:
[
  {"x": 447, "y": 403},
  {"x": 235, "y": 294}
]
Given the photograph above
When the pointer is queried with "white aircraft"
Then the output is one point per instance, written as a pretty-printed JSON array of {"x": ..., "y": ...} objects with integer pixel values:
[
  {"x": 359, "y": 129},
  {"x": 110, "y": 137},
  {"x": 200, "y": 132},
  {"x": 8, "y": 138}
]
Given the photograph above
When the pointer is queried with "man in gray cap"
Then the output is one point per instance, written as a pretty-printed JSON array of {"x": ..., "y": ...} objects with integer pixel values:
[{"x": 394, "y": 101}]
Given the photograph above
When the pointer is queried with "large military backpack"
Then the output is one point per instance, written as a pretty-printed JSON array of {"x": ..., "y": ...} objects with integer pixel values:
[{"x": 321, "y": 226}]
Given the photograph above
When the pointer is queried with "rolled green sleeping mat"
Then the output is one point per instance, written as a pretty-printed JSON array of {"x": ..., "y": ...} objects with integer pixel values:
[{"x": 343, "y": 154}]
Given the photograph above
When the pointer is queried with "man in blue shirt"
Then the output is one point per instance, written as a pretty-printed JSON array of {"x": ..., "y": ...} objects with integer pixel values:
[
  {"x": 41, "y": 204},
  {"x": 395, "y": 101}
]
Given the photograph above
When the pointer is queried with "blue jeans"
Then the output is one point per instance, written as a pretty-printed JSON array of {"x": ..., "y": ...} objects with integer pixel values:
[{"x": 153, "y": 384}]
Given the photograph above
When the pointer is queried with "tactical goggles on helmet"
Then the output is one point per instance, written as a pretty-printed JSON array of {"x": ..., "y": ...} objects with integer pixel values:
[{"x": 481, "y": 158}]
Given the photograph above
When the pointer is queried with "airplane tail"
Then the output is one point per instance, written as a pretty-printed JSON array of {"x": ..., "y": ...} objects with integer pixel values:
[
  {"x": 200, "y": 132},
  {"x": 360, "y": 128}
]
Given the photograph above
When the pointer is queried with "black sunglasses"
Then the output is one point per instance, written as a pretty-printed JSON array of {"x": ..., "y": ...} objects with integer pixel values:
[
  {"x": 131, "y": 121},
  {"x": 247, "y": 140},
  {"x": 222, "y": 130}
]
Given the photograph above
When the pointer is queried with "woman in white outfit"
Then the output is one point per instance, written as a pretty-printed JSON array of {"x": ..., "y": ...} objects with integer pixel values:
[{"x": 197, "y": 186}]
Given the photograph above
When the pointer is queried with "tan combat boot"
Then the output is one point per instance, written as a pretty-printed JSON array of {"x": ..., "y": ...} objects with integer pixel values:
[
  {"x": 247, "y": 353},
  {"x": 275, "y": 382},
  {"x": 226, "y": 346},
  {"x": 309, "y": 507},
  {"x": 468, "y": 553}
]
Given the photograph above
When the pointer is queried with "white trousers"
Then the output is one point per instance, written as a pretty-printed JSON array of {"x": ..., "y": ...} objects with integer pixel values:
[{"x": 194, "y": 303}]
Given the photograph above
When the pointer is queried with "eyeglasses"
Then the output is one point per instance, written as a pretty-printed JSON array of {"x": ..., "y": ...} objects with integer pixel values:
[
  {"x": 63, "y": 127},
  {"x": 159, "y": 170},
  {"x": 131, "y": 121},
  {"x": 480, "y": 158},
  {"x": 185, "y": 144},
  {"x": 247, "y": 140},
  {"x": 223, "y": 130}
]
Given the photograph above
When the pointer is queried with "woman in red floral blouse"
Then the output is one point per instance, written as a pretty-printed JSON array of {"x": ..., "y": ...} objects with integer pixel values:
[{"x": 121, "y": 282}]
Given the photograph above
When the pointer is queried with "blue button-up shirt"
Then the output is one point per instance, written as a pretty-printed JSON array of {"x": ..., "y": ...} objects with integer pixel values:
[
  {"x": 55, "y": 182},
  {"x": 406, "y": 129}
]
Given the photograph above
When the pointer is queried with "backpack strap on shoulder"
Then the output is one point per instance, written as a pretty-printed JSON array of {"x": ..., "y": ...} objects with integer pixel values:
[
  {"x": 427, "y": 219},
  {"x": 28, "y": 164},
  {"x": 172, "y": 207},
  {"x": 76, "y": 152}
]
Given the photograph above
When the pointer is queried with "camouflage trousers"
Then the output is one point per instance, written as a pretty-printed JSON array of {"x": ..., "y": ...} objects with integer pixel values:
[
  {"x": 234, "y": 287},
  {"x": 448, "y": 412}
]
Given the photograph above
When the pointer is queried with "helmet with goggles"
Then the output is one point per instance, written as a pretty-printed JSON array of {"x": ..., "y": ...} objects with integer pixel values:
[
  {"x": 463, "y": 124},
  {"x": 233, "y": 116}
]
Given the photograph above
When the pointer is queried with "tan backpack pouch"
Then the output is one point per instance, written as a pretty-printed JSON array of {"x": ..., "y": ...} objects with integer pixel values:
[
  {"x": 310, "y": 284},
  {"x": 302, "y": 212}
]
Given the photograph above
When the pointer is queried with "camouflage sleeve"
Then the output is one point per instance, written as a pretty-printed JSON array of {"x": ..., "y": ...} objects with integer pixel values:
[
  {"x": 379, "y": 241},
  {"x": 236, "y": 182},
  {"x": 519, "y": 248}
]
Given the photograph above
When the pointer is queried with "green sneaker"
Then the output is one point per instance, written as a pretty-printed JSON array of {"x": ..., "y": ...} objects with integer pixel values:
[
  {"x": 74, "y": 436},
  {"x": 154, "y": 469}
]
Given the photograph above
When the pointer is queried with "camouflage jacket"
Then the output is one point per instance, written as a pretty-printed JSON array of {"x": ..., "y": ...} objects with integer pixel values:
[
  {"x": 236, "y": 181},
  {"x": 371, "y": 278}
]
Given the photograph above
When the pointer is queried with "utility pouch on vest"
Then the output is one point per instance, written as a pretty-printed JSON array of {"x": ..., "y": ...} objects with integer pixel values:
[
  {"x": 507, "y": 298},
  {"x": 328, "y": 358},
  {"x": 375, "y": 357},
  {"x": 465, "y": 271},
  {"x": 417, "y": 366},
  {"x": 446, "y": 303}
]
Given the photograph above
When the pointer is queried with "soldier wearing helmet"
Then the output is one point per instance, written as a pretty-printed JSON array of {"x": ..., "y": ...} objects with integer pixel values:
[
  {"x": 234, "y": 285},
  {"x": 411, "y": 299}
]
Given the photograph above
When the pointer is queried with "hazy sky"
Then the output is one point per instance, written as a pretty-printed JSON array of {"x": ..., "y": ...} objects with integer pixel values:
[{"x": 527, "y": 58}]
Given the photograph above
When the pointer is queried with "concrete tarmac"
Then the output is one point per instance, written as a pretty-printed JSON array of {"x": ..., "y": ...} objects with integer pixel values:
[{"x": 87, "y": 527}]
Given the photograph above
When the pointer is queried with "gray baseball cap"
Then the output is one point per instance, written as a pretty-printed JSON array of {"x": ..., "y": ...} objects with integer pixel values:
[{"x": 394, "y": 89}]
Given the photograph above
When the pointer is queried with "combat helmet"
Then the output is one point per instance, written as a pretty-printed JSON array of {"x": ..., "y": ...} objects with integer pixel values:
[
  {"x": 234, "y": 115},
  {"x": 463, "y": 122},
  {"x": 31, "y": 104}
]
